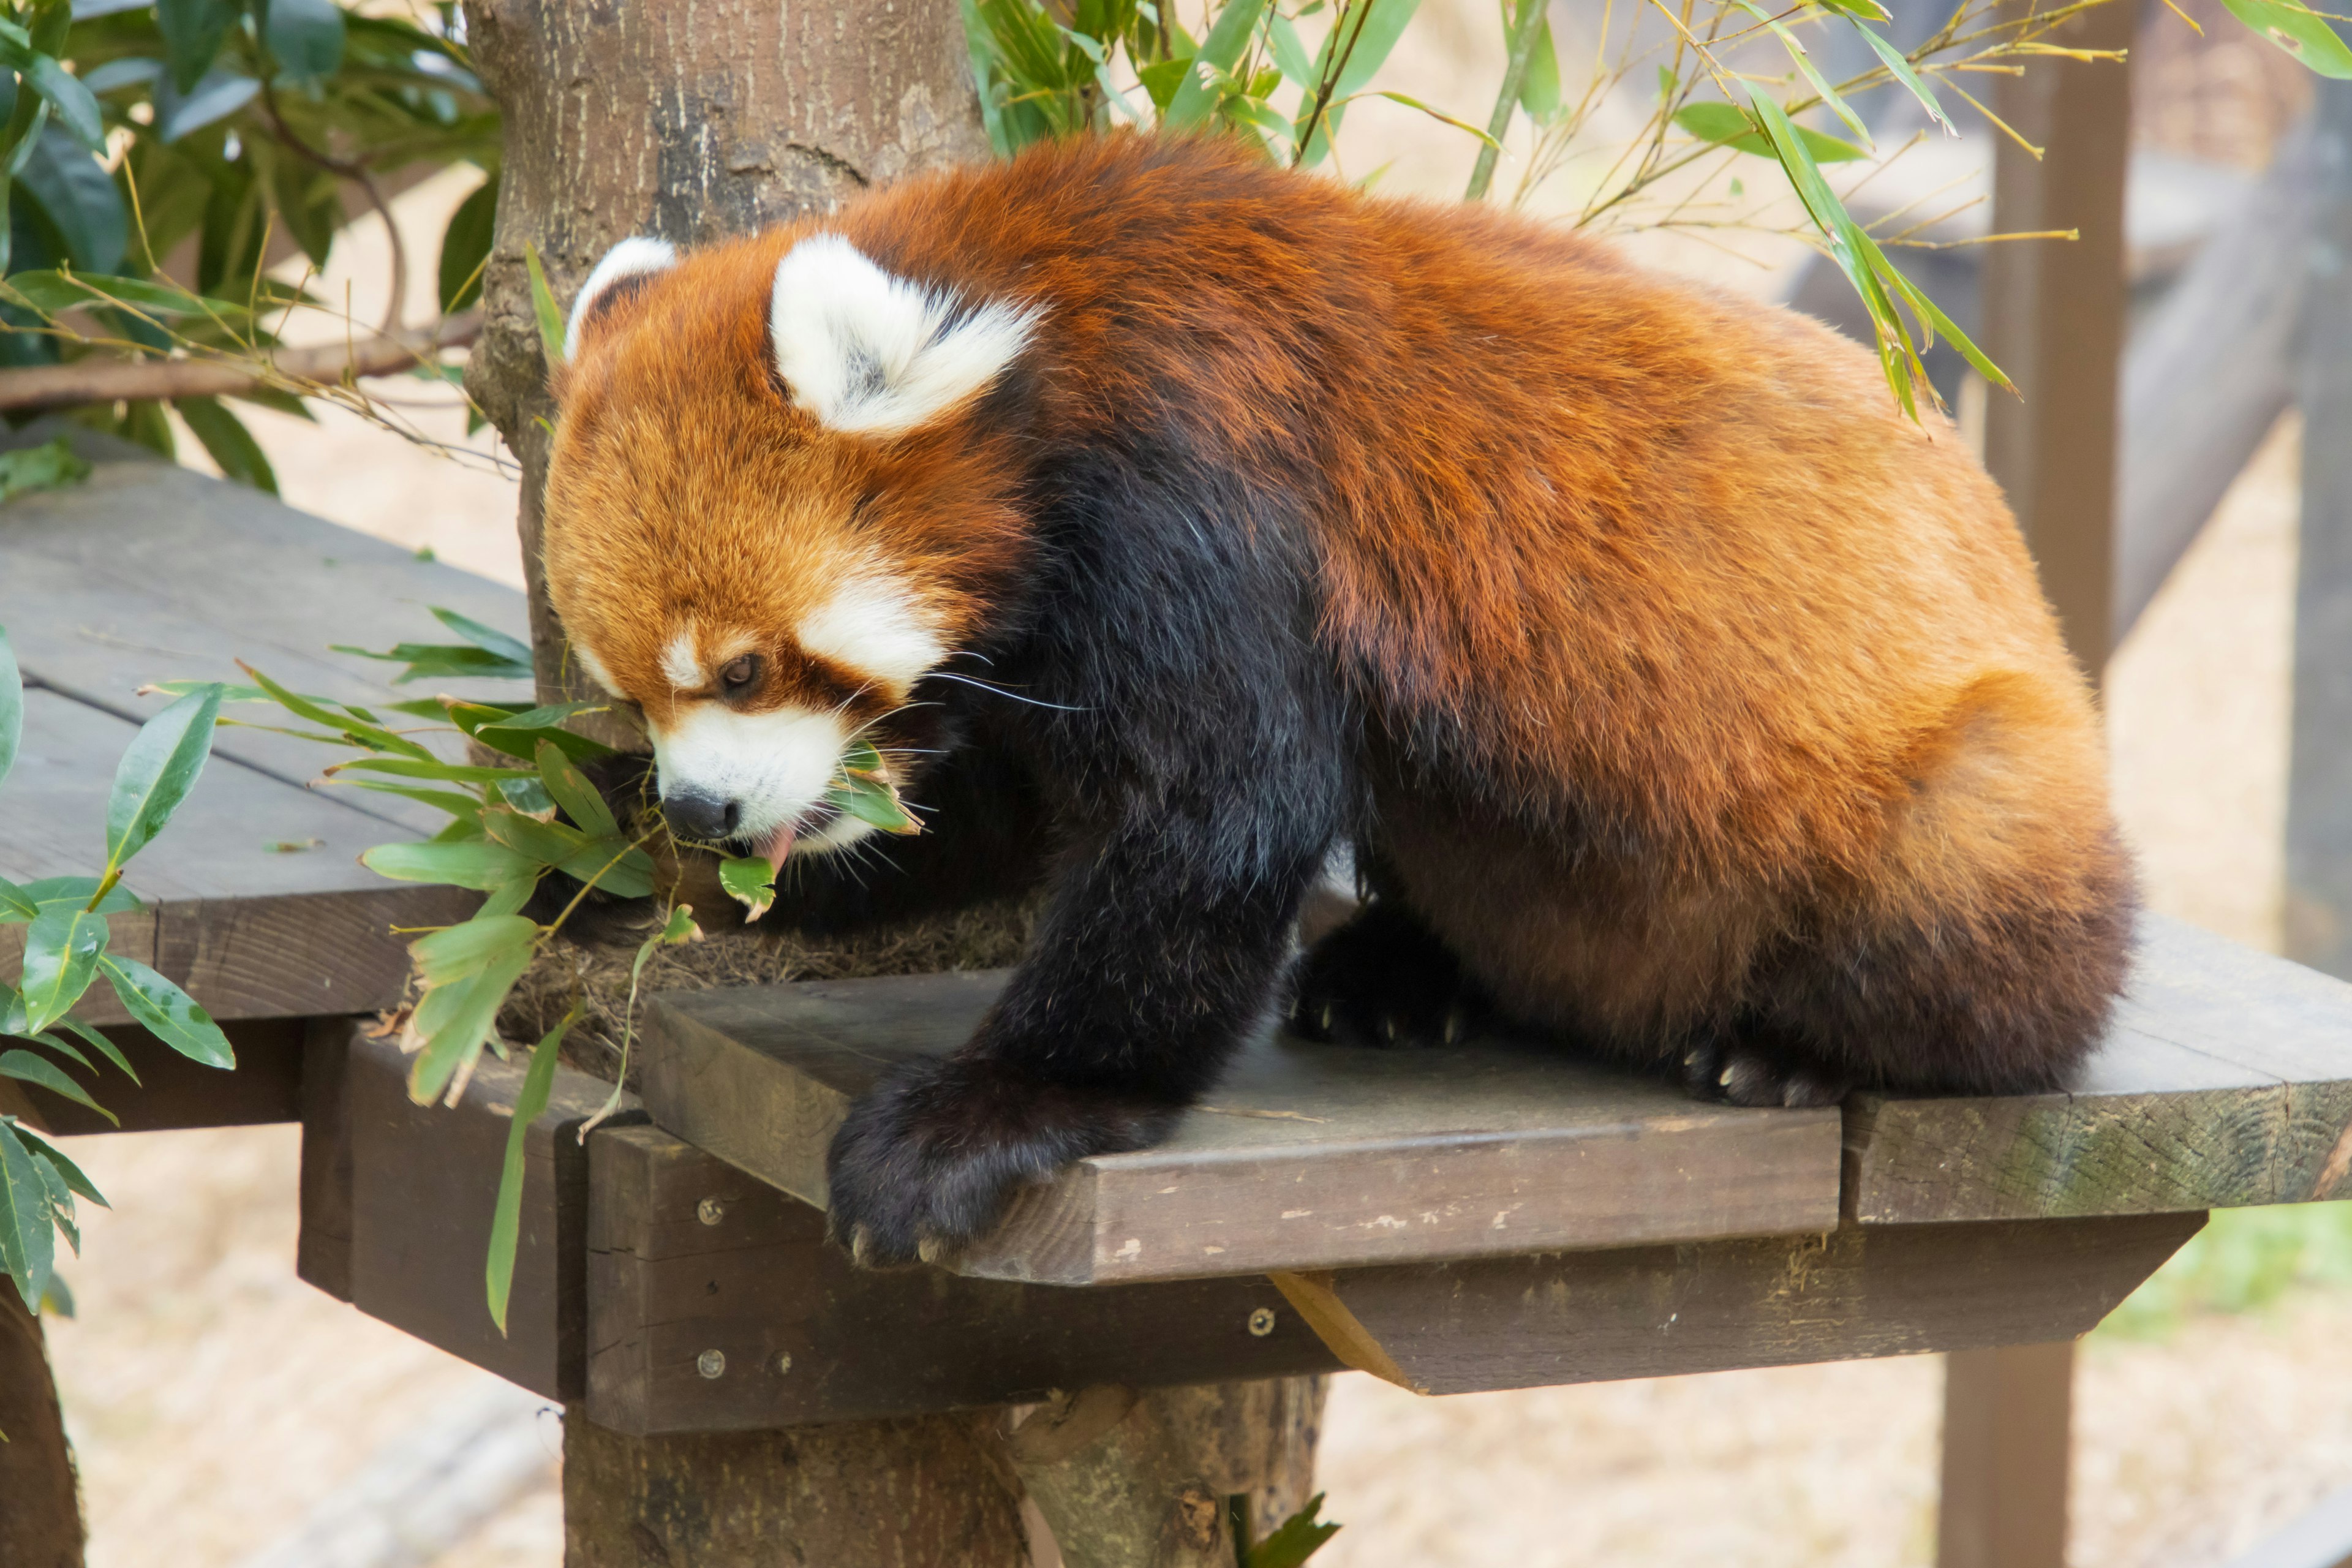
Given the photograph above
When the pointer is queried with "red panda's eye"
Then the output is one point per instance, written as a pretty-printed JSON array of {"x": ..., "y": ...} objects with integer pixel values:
[{"x": 739, "y": 673}]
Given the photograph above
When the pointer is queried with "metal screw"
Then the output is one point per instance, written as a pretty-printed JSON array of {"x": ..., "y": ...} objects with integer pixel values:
[
  {"x": 710, "y": 1210},
  {"x": 1261, "y": 1322},
  {"x": 783, "y": 1363},
  {"x": 711, "y": 1363}
]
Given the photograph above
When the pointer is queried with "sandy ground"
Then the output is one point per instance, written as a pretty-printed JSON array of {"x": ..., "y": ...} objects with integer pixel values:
[{"x": 213, "y": 1398}]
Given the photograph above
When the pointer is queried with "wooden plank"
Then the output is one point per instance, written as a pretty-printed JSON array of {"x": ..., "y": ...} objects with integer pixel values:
[
  {"x": 323, "y": 1249},
  {"x": 715, "y": 1303},
  {"x": 1526, "y": 1322},
  {"x": 249, "y": 931},
  {"x": 1303, "y": 1157},
  {"x": 151, "y": 572},
  {"x": 423, "y": 1183},
  {"x": 2008, "y": 1415},
  {"x": 2226, "y": 1081}
]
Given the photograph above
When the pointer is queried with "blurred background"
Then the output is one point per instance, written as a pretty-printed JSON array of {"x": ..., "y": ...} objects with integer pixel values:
[{"x": 226, "y": 1416}]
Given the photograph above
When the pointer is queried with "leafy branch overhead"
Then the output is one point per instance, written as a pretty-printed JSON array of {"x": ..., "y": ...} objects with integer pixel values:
[
  {"x": 66, "y": 952},
  {"x": 160, "y": 158}
]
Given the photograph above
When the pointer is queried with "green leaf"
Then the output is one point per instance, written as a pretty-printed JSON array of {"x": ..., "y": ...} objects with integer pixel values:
[
  {"x": 463, "y": 950},
  {"x": 418, "y": 768},
  {"x": 158, "y": 769},
  {"x": 69, "y": 1172},
  {"x": 479, "y": 864},
  {"x": 72, "y": 891},
  {"x": 2300, "y": 31},
  {"x": 231, "y": 445},
  {"x": 1804, "y": 64},
  {"x": 193, "y": 31},
  {"x": 529, "y": 796},
  {"x": 168, "y": 1012},
  {"x": 549, "y": 843},
  {"x": 12, "y": 736},
  {"x": 678, "y": 928},
  {"x": 542, "y": 304},
  {"x": 1298, "y": 1538},
  {"x": 874, "y": 804},
  {"x": 461, "y": 1018},
  {"x": 100, "y": 1043},
  {"x": 51, "y": 466},
  {"x": 466, "y": 246},
  {"x": 81, "y": 214},
  {"x": 305, "y": 36},
  {"x": 27, "y": 1235},
  {"x": 27, "y": 1067},
  {"x": 464, "y": 808},
  {"x": 749, "y": 881},
  {"x": 15, "y": 903},
  {"x": 489, "y": 639},
  {"x": 570, "y": 788},
  {"x": 355, "y": 725},
  {"x": 506, "y": 1215},
  {"x": 1901, "y": 70},
  {"x": 615, "y": 866},
  {"x": 1196, "y": 100},
  {"x": 1724, "y": 125},
  {"x": 74, "y": 108},
  {"x": 426, "y": 661},
  {"x": 183, "y": 111},
  {"x": 62, "y": 947},
  {"x": 52, "y": 292}
]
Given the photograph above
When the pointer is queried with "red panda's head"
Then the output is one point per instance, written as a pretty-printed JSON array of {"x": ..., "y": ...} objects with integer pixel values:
[{"x": 772, "y": 509}]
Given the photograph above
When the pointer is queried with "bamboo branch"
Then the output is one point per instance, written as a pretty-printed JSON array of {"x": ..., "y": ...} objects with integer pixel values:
[{"x": 109, "y": 379}]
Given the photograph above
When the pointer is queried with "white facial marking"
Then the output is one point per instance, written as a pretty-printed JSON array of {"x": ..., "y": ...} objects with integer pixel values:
[
  {"x": 774, "y": 766},
  {"x": 594, "y": 668},
  {"x": 869, "y": 353},
  {"x": 873, "y": 625},
  {"x": 680, "y": 666},
  {"x": 630, "y": 259}
]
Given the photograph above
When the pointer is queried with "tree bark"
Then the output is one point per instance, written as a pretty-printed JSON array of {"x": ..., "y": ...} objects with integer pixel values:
[
  {"x": 689, "y": 124},
  {"x": 904, "y": 1494},
  {"x": 40, "y": 1514}
]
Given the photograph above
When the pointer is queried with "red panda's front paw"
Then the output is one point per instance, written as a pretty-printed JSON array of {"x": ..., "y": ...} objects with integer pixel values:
[{"x": 926, "y": 1162}]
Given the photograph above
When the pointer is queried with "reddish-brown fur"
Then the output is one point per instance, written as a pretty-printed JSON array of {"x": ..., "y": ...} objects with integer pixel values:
[{"x": 1696, "y": 689}]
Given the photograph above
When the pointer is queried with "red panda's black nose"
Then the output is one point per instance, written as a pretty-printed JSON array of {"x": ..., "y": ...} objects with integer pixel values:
[{"x": 694, "y": 814}]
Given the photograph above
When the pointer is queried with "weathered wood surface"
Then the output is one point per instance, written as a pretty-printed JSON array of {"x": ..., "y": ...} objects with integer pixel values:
[
  {"x": 715, "y": 1303},
  {"x": 416, "y": 1212},
  {"x": 257, "y": 903},
  {"x": 249, "y": 930},
  {"x": 2227, "y": 1081},
  {"x": 151, "y": 572},
  {"x": 1861, "y": 1291},
  {"x": 1305, "y": 1157}
]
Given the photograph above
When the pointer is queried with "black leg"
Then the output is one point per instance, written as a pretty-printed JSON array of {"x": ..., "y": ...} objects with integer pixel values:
[
  {"x": 1755, "y": 1066},
  {"x": 1383, "y": 978},
  {"x": 1144, "y": 982}
]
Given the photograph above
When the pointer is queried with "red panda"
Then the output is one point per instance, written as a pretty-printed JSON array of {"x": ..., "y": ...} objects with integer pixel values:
[{"x": 1676, "y": 695}]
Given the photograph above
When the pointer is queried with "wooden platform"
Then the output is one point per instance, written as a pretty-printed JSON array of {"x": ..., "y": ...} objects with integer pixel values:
[{"x": 256, "y": 904}]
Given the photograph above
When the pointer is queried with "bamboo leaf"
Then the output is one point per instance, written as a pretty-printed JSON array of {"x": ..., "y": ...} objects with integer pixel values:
[
  {"x": 570, "y": 788},
  {"x": 479, "y": 865},
  {"x": 1901, "y": 70},
  {"x": 2300, "y": 31},
  {"x": 749, "y": 881},
  {"x": 170, "y": 1014},
  {"x": 62, "y": 948},
  {"x": 27, "y": 1235},
  {"x": 27, "y": 1067},
  {"x": 158, "y": 769},
  {"x": 506, "y": 1215},
  {"x": 1726, "y": 126},
  {"x": 543, "y": 306}
]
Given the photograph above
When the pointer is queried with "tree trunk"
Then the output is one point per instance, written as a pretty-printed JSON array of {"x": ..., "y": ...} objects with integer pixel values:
[
  {"x": 689, "y": 124},
  {"x": 41, "y": 1516}
]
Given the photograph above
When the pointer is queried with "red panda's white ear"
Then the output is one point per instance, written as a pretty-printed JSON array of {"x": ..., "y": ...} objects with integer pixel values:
[
  {"x": 632, "y": 258},
  {"x": 873, "y": 354}
]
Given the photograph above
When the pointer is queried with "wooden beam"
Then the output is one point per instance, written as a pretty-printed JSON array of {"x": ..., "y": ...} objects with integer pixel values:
[
  {"x": 715, "y": 1303},
  {"x": 172, "y": 1091},
  {"x": 416, "y": 1212},
  {"x": 2319, "y": 771},
  {"x": 1305, "y": 1157},
  {"x": 1862, "y": 1290}
]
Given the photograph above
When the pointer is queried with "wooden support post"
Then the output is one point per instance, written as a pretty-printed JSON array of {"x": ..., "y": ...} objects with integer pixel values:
[
  {"x": 2008, "y": 1416},
  {"x": 2319, "y": 773},
  {"x": 2055, "y": 320},
  {"x": 40, "y": 1514}
]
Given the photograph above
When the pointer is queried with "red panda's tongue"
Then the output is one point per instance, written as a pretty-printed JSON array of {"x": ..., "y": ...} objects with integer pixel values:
[{"x": 778, "y": 845}]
